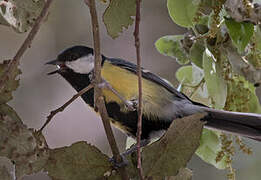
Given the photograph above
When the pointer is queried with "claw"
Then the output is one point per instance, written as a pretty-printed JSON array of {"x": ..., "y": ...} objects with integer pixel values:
[
  {"x": 131, "y": 105},
  {"x": 117, "y": 165},
  {"x": 124, "y": 155},
  {"x": 135, "y": 103}
]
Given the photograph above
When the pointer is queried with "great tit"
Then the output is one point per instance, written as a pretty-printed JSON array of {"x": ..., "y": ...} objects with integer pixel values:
[{"x": 162, "y": 103}]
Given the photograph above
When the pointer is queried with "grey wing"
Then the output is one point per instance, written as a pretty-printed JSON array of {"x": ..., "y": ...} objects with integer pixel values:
[{"x": 150, "y": 76}]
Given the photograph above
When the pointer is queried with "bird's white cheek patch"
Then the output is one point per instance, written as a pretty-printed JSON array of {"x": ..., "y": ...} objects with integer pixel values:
[{"x": 83, "y": 65}]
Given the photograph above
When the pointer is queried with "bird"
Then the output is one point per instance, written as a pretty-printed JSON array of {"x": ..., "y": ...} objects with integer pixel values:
[{"x": 162, "y": 103}]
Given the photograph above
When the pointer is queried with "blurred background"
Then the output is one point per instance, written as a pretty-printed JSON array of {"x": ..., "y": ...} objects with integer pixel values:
[{"x": 69, "y": 24}]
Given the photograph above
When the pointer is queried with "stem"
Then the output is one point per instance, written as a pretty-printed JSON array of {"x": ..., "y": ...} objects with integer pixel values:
[
  {"x": 60, "y": 109},
  {"x": 139, "y": 74},
  {"x": 196, "y": 88},
  {"x": 27, "y": 43},
  {"x": 98, "y": 98}
]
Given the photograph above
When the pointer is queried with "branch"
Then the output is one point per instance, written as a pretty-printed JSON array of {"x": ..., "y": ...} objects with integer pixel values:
[
  {"x": 27, "y": 43},
  {"x": 60, "y": 109},
  {"x": 139, "y": 124},
  {"x": 240, "y": 65},
  {"x": 80, "y": 93},
  {"x": 98, "y": 98},
  {"x": 128, "y": 104},
  {"x": 244, "y": 10}
]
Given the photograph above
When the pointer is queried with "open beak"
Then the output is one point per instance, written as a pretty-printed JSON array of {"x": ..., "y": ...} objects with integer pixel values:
[
  {"x": 58, "y": 64},
  {"x": 54, "y": 62}
]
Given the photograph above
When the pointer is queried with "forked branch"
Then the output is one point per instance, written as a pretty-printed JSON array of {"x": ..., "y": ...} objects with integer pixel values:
[
  {"x": 26, "y": 44},
  {"x": 98, "y": 98}
]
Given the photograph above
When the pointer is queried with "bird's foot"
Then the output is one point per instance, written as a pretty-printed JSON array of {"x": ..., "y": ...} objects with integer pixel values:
[
  {"x": 124, "y": 162},
  {"x": 134, "y": 103},
  {"x": 129, "y": 151}
]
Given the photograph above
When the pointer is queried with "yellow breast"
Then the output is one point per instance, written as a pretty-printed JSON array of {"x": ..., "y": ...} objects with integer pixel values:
[{"x": 155, "y": 97}]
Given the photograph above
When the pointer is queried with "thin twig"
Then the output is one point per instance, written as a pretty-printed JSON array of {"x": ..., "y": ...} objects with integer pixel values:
[
  {"x": 128, "y": 104},
  {"x": 139, "y": 124},
  {"x": 195, "y": 38},
  {"x": 98, "y": 98},
  {"x": 196, "y": 88},
  {"x": 27, "y": 43},
  {"x": 244, "y": 11},
  {"x": 60, "y": 109}
]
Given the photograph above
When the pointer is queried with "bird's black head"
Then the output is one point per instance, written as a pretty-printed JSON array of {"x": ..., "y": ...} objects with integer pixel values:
[
  {"x": 76, "y": 65},
  {"x": 76, "y": 59}
]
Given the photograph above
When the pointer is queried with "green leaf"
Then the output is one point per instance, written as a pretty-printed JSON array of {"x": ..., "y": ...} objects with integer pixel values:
[
  {"x": 189, "y": 75},
  {"x": 6, "y": 169},
  {"x": 208, "y": 3},
  {"x": 196, "y": 53},
  {"x": 118, "y": 16},
  {"x": 254, "y": 105},
  {"x": 240, "y": 33},
  {"x": 201, "y": 95},
  {"x": 210, "y": 145},
  {"x": 21, "y": 15},
  {"x": 173, "y": 151},
  {"x": 171, "y": 46},
  {"x": 183, "y": 12},
  {"x": 242, "y": 96},
  {"x": 5, "y": 174},
  {"x": 19, "y": 144},
  {"x": 3, "y": 21},
  {"x": 78, "y": 161},
  {"x": 241, "y": 67},
  {"x": 257, "y": 37},
  {"x": 254, "y": 56},
  {"x": 184, "y": 75},
  {"x": 3, "y": 8},
  {"x": 11, "y": 84},
  {"x": 203, "y": 20},
  {"x": 216, "y": 85},
  {"x": 184, "y": 174}
]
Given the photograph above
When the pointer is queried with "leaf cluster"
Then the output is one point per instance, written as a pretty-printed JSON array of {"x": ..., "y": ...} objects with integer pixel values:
[{"x": 220, "y": 60}]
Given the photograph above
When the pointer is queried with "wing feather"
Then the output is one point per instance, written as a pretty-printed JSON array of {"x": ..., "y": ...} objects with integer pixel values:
[{"x": 149, "y": 76}]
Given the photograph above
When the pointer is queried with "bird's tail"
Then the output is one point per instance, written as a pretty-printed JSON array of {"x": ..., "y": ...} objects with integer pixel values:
[{"x": 244, "y": 124}]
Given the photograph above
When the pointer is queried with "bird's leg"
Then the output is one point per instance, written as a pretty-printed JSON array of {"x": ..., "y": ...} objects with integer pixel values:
[
  {"x": 124, "y": 155},
  {"x": 134, "y": 147},
  {"x": 129, "y": 104},
  {"x": 135, "y": 103}
]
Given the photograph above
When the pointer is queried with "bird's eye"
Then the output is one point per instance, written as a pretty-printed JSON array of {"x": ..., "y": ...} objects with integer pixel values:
[{"x": 73, "y": 57}]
